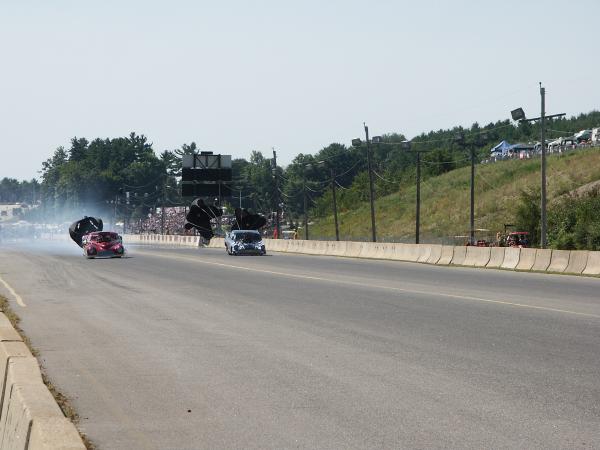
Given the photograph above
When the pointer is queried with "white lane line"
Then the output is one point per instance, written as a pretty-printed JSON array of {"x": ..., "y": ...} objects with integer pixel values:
[
  {"x": 376, "y": 286},
  {"x": 17, "y": 297}
]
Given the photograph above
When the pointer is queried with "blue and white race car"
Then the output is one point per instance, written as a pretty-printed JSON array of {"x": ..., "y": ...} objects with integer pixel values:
[{"x": 244, "y": 242}]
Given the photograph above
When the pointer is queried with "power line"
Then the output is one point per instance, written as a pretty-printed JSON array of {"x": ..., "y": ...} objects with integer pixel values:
[
  {"x": 312, "y": 190},
  {"x": 144, "y": 185},
  {"x": 382, "y": 178},
  {"x": 440, "y": 163},
  {"x": 341, "y": 187},
  {"x": 285, "y": 195}
]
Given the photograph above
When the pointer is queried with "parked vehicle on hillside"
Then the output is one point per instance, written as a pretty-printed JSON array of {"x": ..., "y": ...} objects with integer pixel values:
[
  {"x": 103, "y": 244},
  {"x": 289, "y": 234},
  {"x": 595, "y": 136},
  {"x": 555, "y": 144},
  {"x": 583, "y": 135},
  {"x": 518, "y": 239},
  {"x": 244, "y": 242},
  {"x": 482, "y": 238}
]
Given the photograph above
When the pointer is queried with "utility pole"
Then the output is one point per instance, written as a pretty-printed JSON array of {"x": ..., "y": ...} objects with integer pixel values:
[
  {"x": 371, "y": 188},
  {"x": 305, "y": 208},
  {"x": 471, "y": 144},
  {"x": 162, "y": 209},
  {"x": 519, "y": 115},
  {"x": 276, "y": 196},
  {"x": 418, "y": 213},
  {"x": 335, "y": 216},
  {"x": 472, "y": 217},
  {"x": 543, "y": 242}
]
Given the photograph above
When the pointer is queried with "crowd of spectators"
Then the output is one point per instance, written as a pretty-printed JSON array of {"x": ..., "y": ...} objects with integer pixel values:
[
  {"x": 536, "y": 151},
  {"x": 174, "y": 220},
  {"x": 171, "y": 222}
]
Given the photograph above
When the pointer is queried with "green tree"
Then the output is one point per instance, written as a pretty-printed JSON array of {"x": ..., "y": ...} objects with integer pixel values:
[{"x": 527, "y": 215}]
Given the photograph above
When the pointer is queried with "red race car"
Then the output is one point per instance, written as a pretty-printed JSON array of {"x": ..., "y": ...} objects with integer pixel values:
[{"x": 103, "y": 243}]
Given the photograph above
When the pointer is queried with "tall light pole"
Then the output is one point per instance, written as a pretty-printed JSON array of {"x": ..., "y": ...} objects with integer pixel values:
[
  {"x": 519, "y": 115},
  {"x": 544, "y": 224}
]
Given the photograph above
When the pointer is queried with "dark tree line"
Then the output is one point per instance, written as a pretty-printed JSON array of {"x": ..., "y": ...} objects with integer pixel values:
[{"x": 15, "y": 191}]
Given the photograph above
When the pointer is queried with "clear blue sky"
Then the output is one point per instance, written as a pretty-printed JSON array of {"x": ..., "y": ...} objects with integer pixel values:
[{"x": 238, "y": 76}]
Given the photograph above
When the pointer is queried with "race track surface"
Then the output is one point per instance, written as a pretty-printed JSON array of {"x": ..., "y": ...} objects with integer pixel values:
[{"x": 193, "y": 349}]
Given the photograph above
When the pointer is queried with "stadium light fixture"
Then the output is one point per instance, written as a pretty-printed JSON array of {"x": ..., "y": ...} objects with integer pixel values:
[{"x": 518, "y": 114}]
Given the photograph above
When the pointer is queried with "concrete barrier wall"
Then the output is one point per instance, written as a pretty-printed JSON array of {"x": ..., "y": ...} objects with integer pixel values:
[
  {"x": 526, "y": 259},
  {"x": 217, "y": 243},
  {"x": 353, "y": 249},
  {"x": 30, "y": 418},
  {"x": 543, "y": 256},
  {"x": 477, "y": 256},
  {"x": 320, "y": 248},
  {"x": 383, "y": 250},
  {"x": 496, "y": 257},
  {"x": 402, "y": 252},
  {"x": 389, "y": 251},
  {"x": 559, "y": 261},
  {"x": 424, "y": 253},
  {"x": 459, "y": 255},
  {"x": 368, "y": 250},
  {"x": 511, "y": 257},
  {"x": 413, "y": 252},
  {"x": 307, "y": 247},
  {"x": 277, "y": 245},
  {"x": 577, "y": 261},
  {"x": 332, "y": 248},
  {"x": 572, "y": 262},
  {"x": 436, "y": 254},
  {"x": 446, "y": 256},
  {"x": 393, "y": 251},
  {"x": 291, "y": 247},
  {"x": 592, "y": 266}
]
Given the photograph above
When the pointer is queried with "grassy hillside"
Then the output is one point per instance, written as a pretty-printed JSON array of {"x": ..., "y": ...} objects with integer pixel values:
[{"x": 445, "y": 199}]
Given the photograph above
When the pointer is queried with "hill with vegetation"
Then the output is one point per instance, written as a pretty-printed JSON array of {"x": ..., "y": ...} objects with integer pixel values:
[{"x": 506, "y": 192}]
